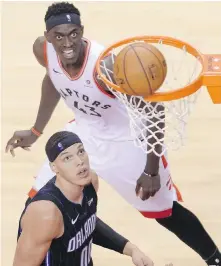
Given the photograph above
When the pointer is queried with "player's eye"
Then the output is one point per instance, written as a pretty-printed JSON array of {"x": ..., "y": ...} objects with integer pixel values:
[
  {"x": 67, "y": 158},
  {"x": 58, "y": 37},
  {"x": 73, "y": 34},
  {"x": 81, "y": 151}
]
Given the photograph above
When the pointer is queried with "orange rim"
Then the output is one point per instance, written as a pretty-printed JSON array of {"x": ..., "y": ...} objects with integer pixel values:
[{"x": 160, "y": 96}]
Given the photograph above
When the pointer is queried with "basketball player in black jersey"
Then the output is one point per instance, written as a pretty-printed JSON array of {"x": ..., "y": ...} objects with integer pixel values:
[{"x": 59, "y": 225}]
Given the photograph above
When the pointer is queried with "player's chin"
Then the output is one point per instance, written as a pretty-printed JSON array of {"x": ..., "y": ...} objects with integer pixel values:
[
  {"x": 85, "y": 180},
  {"x": 69, "y": 59}
]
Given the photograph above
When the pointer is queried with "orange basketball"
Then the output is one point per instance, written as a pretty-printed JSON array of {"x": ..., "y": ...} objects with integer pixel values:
[{"x": 140, "y": 69}]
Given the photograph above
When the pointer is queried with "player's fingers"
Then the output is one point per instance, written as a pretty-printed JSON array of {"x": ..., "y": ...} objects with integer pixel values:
[
  {"x": 12, "y": 151},
  {"x": 137, "y": 189},
  {"x": 11, "y": 142},
  {"x": 148, "y": 262},
  {"x": 26, "y": 148},
  {"x": 145, "y": 194},
  {"x": 152, "y": 194},
  {"x": 11, "y": 146},
  {"x": 20, "y": 144},
  {"x": 140, "y": 262},
  {"x": 140, "y": 193},
  {"x": 145, "y": 197},
  {"x": 154, "y": 191},
  {"x": 7, "y": 148}
]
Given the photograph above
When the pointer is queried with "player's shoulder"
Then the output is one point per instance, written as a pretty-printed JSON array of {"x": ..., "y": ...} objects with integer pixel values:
[
  {"x": 43, "y": 207},
  {"x": 97, "y": 44},
  {"x": 96, "y": 47},
  {"x": 45, "y": 217},
  {"x": 39, "y": 50}
]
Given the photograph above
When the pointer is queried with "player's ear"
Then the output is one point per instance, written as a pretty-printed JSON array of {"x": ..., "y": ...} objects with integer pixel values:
[
  {"x": 47, "y": 36},
  {"x": 53, "y": 168},
  {"x": 82, "y": 29}
]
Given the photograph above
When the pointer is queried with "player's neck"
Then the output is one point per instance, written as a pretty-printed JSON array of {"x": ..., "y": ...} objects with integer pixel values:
[
  {"x": 73, "y": 69},
  {"x": 72, "y": 192}
]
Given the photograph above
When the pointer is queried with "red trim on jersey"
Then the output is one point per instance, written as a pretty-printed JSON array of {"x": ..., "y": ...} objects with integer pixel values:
[
  {"x": 169, "y": 181},
  {"x": 179, "y": 196},
  {"x": 100, "y": 87},
  {"x": 71, "y": 121},
  {"x": 155, "y": 215},
  {"x": 32, "y": 193},
  {"x": 165, "y": 213},
  {"x": 83, "y": 66},
  {"x": 164, "y": 160}
]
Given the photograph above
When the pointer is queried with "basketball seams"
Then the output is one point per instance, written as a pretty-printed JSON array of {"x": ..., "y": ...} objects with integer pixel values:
[
  {"x": 162, "y": 66},
  {"x": 139, "y": 70},
  {"x": 124, "y": 69},
  {"x": 143, "y": 69}
]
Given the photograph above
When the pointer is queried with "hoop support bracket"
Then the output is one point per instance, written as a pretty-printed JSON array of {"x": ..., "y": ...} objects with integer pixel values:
[{"x": 212, "y": 76}]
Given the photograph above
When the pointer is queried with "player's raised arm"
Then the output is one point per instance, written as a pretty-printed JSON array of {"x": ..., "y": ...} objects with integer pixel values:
[
  {"x": 49, "y": 100},
  {"x": 148, "y": 183},
  {"x": 49, "y": 95},
  {"x": 41, "y": 223}
]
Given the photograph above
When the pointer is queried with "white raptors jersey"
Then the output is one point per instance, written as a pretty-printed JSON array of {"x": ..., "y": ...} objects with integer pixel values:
[{"x": 96, "y": 113}]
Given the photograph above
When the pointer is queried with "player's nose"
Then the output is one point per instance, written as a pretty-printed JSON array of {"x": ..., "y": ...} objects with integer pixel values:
[
  {"x": 79, "y": 161},
  {"x": 67, "y": 42}
]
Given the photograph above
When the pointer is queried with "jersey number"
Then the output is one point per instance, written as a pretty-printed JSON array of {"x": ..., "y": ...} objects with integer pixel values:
[
  {"x": 90, "y": 109},
  {"x": 86, "y": 254}
]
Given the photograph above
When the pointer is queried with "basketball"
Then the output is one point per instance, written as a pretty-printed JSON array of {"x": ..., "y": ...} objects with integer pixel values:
[{"x": 140, "y": 69}]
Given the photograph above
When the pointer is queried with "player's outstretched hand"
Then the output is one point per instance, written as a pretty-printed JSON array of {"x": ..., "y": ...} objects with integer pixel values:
[
  {"x": 147, "y": 186},
  {"x": 140, "y": 259},
  {"x": 23, "y": 139}
]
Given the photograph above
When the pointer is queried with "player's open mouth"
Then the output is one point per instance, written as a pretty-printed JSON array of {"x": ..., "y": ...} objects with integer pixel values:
[
  {"x": 68, "y": 53},
  {"x": 83, "y": 173}
]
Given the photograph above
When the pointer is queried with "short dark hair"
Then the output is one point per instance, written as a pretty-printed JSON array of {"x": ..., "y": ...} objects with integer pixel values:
[{"x": 59, "y": 8}]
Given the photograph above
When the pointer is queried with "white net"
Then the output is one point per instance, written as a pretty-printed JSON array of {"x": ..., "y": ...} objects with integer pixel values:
[{"x": 157, "y": 127}]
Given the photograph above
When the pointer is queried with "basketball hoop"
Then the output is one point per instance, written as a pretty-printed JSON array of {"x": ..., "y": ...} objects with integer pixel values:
[{"x": 188, "y": 71}]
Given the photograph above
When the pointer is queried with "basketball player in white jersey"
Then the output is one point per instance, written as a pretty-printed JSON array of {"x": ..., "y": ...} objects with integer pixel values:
[{"x": 103, "y": 125}]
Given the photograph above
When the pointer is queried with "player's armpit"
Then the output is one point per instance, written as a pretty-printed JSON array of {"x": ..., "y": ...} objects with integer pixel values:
[
  {"x": 95, "y": 180},
  {"x": 41, "y": 223},
  {"x": 39, "y": 50}
]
